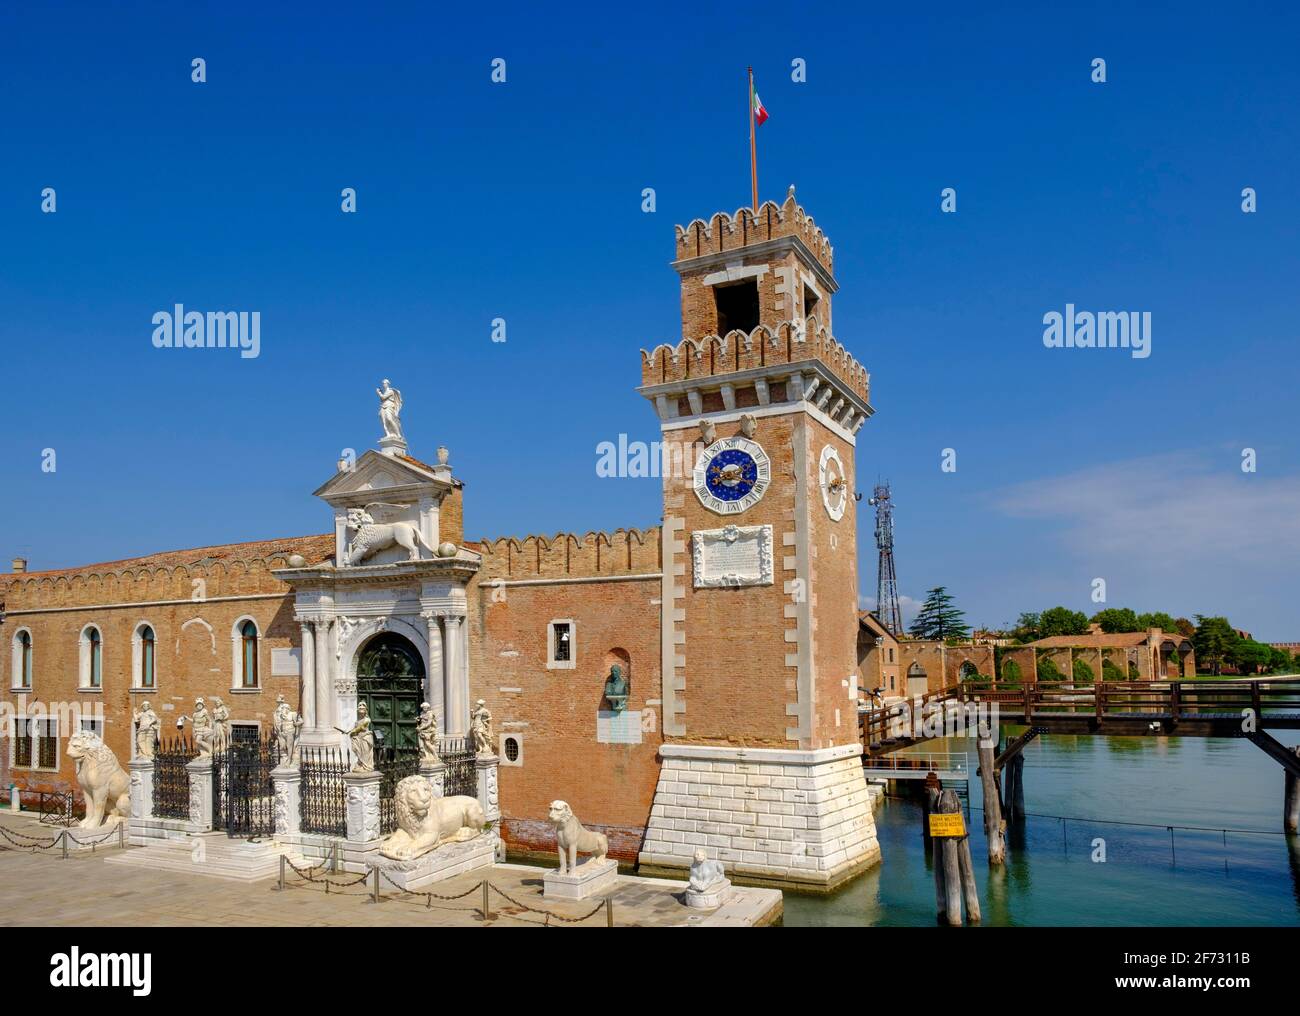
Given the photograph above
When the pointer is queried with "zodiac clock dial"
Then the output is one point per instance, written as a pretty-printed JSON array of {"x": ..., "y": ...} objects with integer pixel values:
[
  {"x": 834, "y": 483},
  {"x": 731, "y": 475}
]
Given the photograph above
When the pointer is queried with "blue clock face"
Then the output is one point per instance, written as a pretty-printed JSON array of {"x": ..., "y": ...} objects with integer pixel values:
[{"x": 731, "y": 474}]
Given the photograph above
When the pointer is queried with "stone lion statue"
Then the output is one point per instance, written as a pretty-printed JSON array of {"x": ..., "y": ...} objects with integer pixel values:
[
  {"x": 372, "y": 536},
  {"x": 425, "y": 821},
  {"x": 104, "y": 783},
  {"x": 571, "y": 837}
]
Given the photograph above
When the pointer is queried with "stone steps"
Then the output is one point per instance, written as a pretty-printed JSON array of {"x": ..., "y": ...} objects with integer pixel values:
[{"x": 214, "y": 855}]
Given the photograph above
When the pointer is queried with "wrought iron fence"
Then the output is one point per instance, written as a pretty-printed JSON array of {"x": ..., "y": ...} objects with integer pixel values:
[
  {"x": 171, "y": 781},
  {"x": 322, "y": 802},
  {"x": 395, "y": 765},
  {"x": 243, "y": 794},
  {"x": 61, "y": 808},
  {"x": 460, "y": 778}
]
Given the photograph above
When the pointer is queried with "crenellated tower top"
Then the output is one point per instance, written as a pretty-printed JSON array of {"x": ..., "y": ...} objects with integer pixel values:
[{"x": 756, "y": 321}]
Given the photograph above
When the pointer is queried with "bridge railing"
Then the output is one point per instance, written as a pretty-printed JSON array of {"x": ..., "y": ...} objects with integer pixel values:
[
  {"x": 1166, "y": 699},
  {"x": 920, "y": 762}
]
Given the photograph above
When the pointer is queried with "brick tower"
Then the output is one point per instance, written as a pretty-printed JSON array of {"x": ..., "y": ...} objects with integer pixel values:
[{"x": 761, "y": 759}]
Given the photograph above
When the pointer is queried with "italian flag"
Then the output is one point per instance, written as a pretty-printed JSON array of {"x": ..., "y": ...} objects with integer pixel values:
[{"x": 760, "y": 114}]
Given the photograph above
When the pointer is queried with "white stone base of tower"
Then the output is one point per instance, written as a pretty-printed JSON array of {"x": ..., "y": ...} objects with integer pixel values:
[{"x": 796, "y": 819}]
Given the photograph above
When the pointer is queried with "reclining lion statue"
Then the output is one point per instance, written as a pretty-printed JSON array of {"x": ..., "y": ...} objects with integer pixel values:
[
  {"x": 425, "y": 822},
  {"x": 104, "y": 784}
]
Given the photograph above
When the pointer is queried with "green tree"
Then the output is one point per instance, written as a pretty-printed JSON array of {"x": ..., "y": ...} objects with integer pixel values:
[
  {"x": 1028, "y": 627},
  {"x": 1184, "y": 627},
  {"x": 1083, "y": 674},
  {"x": 939, "y": 619},
  {"x": 1279, "y": 661},
  {"x": 1160, "y": 620},
  {"x": 1213, "y": 641},
  {"x": 1011, "y": 672},
  {"x": 1110, "y": 672},
  {"x": 1062, "y": 621},
  {"x": 1249, "y": 656},
  {"x": 1047, "y": 668},
  {"x": 1116, "y": 619}
]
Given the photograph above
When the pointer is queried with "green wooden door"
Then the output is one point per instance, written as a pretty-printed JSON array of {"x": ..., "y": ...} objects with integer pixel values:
[{"x": 390, "y": 681}]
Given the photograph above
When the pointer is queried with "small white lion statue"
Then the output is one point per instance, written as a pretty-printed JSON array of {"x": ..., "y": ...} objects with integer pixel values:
[
  {"x": 372, "y": 536},
  {"x": 104, "y": 784},
  {"x": 425, "y": 821},
  {"x": 571, "y": 837}
]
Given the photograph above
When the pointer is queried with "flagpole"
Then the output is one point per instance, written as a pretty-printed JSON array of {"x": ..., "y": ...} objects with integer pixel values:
[{"x": 753, "y": 151}]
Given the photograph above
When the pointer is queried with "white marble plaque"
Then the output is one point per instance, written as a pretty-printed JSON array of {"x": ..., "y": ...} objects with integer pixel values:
[
  {"x": 285, "y": 662},
  {"x": 618, "y": 728},
  {"x": 732, "y": 556}
]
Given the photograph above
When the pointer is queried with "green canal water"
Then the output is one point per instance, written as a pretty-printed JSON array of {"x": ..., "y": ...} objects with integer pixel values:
[{"x": 1050, "y": 877}]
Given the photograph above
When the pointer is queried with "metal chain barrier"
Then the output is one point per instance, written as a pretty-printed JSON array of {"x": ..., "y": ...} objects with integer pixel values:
[
  {"x": 308, "y": 875},
  {"x": 549, "y": 913},
  {"x": 32, "y": 846}
]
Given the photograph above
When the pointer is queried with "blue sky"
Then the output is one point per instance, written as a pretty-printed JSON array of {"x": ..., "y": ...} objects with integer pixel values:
[{"x": 522, "y": 201}]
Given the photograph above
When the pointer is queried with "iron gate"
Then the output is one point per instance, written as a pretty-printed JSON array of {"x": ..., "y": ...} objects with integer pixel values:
[
  {"x": 243, "y": 794},
  {"x": 395, "y": 765},
  {"x": 171, "y": 781},
  {"x": 322, "y": 804},
  {"x": 460, "y": 777}
]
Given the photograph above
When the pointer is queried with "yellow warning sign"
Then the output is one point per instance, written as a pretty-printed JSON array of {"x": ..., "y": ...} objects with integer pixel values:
[{"x": 947, "y": 825}]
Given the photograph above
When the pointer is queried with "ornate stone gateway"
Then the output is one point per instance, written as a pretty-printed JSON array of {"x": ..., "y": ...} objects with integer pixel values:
[{"x": 390, "y": 681}]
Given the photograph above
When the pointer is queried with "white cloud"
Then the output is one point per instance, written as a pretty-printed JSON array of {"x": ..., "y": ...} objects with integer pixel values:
[{"x": 1192, "y": 508}]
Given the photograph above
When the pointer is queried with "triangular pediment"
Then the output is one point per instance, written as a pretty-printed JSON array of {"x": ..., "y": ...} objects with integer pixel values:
[{"x": 375, "y": 473}]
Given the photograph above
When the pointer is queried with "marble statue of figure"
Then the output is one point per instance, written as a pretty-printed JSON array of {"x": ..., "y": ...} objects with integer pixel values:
[
  {"x": 287, "y": 726},
  {"x": 427, "y": 730},
  {"x": 147, "y": 729},
  {"x": 425, "y": 821},
  {"x": 706, "y": 876},
  {"x": 390, "y": 409},
  {"x": 481, "y": 726},
  {"x": 201, "y": 721},
  {"x": 221, "y": 727},
  {"x": 363, "y": 741},
  {"x": 104, "y": 785},
  {"x": 571, "y": 838}
]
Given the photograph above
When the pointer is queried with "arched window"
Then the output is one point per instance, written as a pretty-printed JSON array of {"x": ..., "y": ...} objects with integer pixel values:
[
  {"x": 22, "y": 660},
  {"x": 248, "y": 654},
  {"x": 91, "y": 675},
  {"x": 148, "y": 645},
  {"x": 96, "y": 659}
]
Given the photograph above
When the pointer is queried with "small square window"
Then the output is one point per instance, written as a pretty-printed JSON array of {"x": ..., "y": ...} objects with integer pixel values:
[{"x": 561, "y": 646}]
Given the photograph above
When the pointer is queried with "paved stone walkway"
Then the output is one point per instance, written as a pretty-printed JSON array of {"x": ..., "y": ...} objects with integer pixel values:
[{"x": 85, "y": 891}]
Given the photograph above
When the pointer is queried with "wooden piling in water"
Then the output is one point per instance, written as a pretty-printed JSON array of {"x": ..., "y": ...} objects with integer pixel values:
[
  {"x": 993, "y": 824},
  {"x": 1015, "y": 789},
  {"x": 1291, "y": 800},
  {"x": 954, "y": 875}
]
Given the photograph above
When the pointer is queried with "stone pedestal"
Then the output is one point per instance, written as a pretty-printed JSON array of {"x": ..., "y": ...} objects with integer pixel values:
[
  {"x": 15, "y": 799},
  {"x": 437, "y": 865},
  {"x": 485, "y": 768},
  {"x": 141, "y": 773},
  {"x": 436, "y": 775},
  {"x": 287, "y": 781},
  {"x": 592, "y": 878},
  {"x": 110, "y": 834},
  {"x": 712, "y": 898},
  {"x": 773, "y": 816},
  {"x": 362, "y": 791},
  {"x": 200, "y": 772}
]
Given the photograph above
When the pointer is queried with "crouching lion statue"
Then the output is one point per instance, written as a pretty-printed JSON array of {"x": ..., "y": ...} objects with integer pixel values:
[
  {"x": 571, "y": 838},
  {"x": 425, "y": 822},
  {"x": 104, "y": 784}
]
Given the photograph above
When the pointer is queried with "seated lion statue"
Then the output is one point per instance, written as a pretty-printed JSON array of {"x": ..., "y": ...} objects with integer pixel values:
[
  {"x": 425, "y": 821},
  {"x": 104, "y": 784}
]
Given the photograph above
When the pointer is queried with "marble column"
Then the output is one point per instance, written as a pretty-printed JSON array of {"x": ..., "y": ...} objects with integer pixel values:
[
  {"x": 362, "y": 796},
  {"x": 287, "y": 781},
  {"x": 307, "y": 704},
  {"x": 457, "y": 713},
  {"x": 434, "y": 684},
  {"x": 324, "y": 677},
  {"x": 200, "y": 773}
]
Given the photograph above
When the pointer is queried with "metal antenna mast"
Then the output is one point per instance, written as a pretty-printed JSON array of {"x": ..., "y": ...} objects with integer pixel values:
[{"x": 886, "y": 581}]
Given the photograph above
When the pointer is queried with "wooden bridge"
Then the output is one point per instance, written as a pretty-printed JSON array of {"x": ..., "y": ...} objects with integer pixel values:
[{"x": 1214, "y": 708}]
